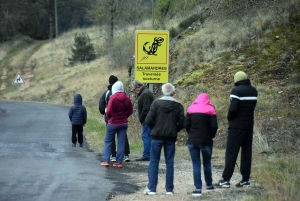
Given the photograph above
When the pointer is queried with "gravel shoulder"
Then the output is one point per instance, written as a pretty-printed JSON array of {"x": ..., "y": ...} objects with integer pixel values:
[{"x": 132, "y": 178}]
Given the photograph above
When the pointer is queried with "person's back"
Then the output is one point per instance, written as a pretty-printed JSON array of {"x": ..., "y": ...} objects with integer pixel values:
[
  {"x": 169, "y": 118},
  {"x": 78, "y": 118},
  {"x": 77, "y": 113},
  {"x": 201, "y": 121},
  {"x": 243, "y": 101},
  {"x": 166, "y": 118}
]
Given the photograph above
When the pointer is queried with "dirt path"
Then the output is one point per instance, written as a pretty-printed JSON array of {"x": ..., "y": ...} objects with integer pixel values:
[{"x": 132, "y": 179}]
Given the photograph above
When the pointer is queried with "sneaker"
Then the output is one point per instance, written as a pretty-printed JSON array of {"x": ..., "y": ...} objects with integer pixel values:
[
  {"x": 169, "y": 193},
  {"x": 105, "y": 164},
  {"x": 142, "y": 159},
  {"x": 197, "y": 193},
  {"x": 223, "y": 184},
  {"x": 243, "y": 183},
  {"x": 210, "y": 188},
  {"x": 81, "y": 145},
  {"x": 74, "y": 145},
  {"x": 126, "y": 158},
  {"x": 113, "y": 159},
  {"x": 118, "y": 165},
  {"x": 148, "y": 192}
]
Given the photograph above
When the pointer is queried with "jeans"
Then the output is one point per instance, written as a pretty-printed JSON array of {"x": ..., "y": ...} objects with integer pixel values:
[
  {"x": 146, "y": 141},
  {"x": 111, "y": 130},
  {"x": 196, "y": 160},
  {"x": 169, "y": 150},
  {"x": 113, "y": 145}
]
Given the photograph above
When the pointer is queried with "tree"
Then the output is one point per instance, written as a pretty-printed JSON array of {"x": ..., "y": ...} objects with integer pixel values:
[{"x": 83, "y": 50}]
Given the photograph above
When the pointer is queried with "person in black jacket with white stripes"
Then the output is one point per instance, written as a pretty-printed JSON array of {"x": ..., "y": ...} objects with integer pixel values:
[{"x": 243, "y": 99}]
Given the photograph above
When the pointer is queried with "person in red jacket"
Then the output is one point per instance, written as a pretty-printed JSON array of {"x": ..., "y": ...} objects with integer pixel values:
[{"x": 118, "y": 110}]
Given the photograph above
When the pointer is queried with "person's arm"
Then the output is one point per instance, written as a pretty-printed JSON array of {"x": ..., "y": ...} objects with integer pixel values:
[
  {"x": 234, "y": 105},
  {"x": 213, "y": 125},
  {"x": 150, "y": 118},
  {"x": 187, "y": 122},
  {"x": 70, "y": 114},
  {"x": 109, "y": 107},
  {"x": 102, "y": 103},
  {"x": 146, "y": 101},
  {"x": 129, "y": 107},
  {"x": 180, "y": 124},
  {"x": 84, "y": 116}
]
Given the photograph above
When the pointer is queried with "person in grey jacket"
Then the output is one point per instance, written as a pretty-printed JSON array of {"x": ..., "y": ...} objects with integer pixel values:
[
  {"x": 78, "y": 118},
  {"x": 166, "y": 119}
]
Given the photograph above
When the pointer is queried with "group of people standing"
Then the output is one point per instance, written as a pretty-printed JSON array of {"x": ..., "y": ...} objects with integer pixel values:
[{"x": 164, "y": 117}]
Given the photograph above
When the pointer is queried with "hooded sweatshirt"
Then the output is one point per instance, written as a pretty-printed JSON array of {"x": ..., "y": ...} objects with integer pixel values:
[
  {"x": 201, "y": 121},
  {"x": 165, "y": 118},
  {"x": 119, "y": 106},
  {"x": 77, "y": 113}
]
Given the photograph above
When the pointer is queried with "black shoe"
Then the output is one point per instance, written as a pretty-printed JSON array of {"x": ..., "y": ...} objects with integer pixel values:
[
  {"x": 210, "y": 188},
  {"x": 223, "y": 184},
  {"x": 243, "y": 183},
  {"x": 81, "y": 145},
  {"x": 197, "y": 193},
  {"x": 74, "y": 145},
  {"x": 142, "y": 159}
]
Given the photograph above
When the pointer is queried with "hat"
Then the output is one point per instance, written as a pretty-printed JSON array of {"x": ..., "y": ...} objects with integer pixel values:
[
  {"x": 240, "y": 76},
  {"x": 112, "y": 79}
]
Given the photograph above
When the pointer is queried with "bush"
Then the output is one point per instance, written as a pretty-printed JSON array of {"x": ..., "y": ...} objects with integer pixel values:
[
  {"x": 188, "y": 21},
  {"x": 174, "y": 32},
  {"x": 83, "y": 49}
]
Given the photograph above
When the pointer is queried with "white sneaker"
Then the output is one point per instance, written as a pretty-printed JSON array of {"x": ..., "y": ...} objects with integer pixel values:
[
  {"x": 148, "y": 192},
  {"x": 169, "y": 193}
]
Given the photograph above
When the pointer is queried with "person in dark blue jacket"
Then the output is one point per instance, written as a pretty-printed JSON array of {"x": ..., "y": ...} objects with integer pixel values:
[{"x": 78, "y": 118}]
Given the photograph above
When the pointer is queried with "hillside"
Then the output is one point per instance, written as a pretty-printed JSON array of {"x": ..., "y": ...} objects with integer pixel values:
[{"x": 263, "y": 41}]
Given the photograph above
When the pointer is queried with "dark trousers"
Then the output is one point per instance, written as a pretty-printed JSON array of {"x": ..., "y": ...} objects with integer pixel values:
[
  {"x": 238, "y": 138},
  {"x": 77, "y": 129},
  {"x": 113, "y": 145}
]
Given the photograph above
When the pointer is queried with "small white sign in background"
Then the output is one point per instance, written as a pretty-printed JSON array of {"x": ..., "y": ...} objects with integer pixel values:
[{"x": 18, "y": 79}]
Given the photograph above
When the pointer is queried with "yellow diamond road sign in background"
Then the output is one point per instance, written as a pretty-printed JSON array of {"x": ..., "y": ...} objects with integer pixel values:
[{"x": 152, "y": 56}]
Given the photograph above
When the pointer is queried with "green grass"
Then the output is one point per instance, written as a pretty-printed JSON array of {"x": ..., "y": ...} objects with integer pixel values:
[{"x": 280, "y": 176}]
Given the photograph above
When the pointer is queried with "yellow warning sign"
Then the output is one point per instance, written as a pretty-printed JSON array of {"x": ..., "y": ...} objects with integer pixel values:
[{"x": 152, "y": 56}]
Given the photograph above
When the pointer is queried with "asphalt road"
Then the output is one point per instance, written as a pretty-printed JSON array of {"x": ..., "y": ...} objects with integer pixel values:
[{"x": 37, "y": 162}]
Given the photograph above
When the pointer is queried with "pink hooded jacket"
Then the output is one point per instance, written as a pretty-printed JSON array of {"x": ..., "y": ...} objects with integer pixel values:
[{"x": 203, "y": 105}]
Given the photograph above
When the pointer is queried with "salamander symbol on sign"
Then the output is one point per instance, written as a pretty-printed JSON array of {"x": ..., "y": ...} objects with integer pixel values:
[{"x": 151, "y": 50}]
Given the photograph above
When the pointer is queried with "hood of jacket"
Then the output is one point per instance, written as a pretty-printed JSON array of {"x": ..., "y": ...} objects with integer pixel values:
[
  {"x": 117, "y": 87},
  {"x": 77, "y": 99},
  {"x": 168, "y": 104},
  {"x": 202, "y": 104},
  {"x": 243, "y": 82}
]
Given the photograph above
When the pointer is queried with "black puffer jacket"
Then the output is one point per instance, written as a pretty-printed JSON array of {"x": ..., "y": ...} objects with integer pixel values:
[
  {"x": 243, "y": 99},
  {"x": 201, "y": 128},
  {"x": 77, "y": 113},
  {"x": 165, "y": 118}
]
